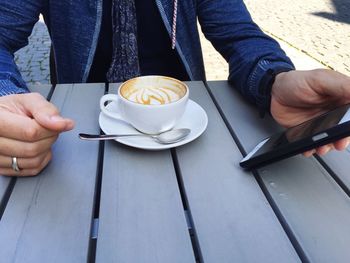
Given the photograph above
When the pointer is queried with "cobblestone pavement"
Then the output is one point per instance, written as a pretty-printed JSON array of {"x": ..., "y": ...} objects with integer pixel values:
[
  {"x": 319, "y": 28},
  {"x": 315, "y": 30},
  {"x": 33, "y": 60}
]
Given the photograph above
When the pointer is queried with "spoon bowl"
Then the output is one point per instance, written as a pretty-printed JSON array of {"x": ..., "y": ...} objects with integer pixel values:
[{"x": 167, "y": 137}]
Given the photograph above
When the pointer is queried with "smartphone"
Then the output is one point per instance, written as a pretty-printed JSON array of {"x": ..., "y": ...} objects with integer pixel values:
[{"x": 321, "y": 130}]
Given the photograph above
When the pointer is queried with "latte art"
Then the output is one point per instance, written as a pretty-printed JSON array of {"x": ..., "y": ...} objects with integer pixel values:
[{"x": 155, "y": 93}]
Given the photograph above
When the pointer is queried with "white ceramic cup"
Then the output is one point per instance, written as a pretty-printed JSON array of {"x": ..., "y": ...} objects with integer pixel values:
[{"x": 152, "y": 104}]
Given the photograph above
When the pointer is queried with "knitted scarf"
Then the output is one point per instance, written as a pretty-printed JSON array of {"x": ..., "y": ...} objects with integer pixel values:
[{"x": 125, "y": 62}]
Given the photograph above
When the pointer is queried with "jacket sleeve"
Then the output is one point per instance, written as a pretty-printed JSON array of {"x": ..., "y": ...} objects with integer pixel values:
[
  {"x": 17, "y": 19},
  {"x": 251, "y": 54}
]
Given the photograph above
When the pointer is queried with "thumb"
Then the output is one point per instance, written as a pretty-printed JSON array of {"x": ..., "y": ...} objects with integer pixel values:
[
  {"x": 54, "y": 122},
  {"x": 332, "y": 83},
  {"x": 44, "y": 112}
]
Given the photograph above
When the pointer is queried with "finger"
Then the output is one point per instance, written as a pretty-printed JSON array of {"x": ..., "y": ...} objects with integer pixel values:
[
  {"x": 342, "y": 144},
  {"x": 45, "y": 113},
  {"x": 309, "y": 153},
  {"x": 24, "y": 163},
  {"x": 22, "y": 128},
  {"x": 27, "y": 172},
  {"x": 324, "y": 149},
  {"x": 9, "y": 147},
  {"x": 16, "y": 117}
]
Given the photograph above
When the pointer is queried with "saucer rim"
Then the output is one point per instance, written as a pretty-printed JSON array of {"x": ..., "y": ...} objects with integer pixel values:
[{"x": 156, "y": 147}]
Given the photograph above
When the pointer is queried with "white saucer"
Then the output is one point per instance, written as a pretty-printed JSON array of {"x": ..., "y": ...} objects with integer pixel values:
[{"x": 194, "y": 118}]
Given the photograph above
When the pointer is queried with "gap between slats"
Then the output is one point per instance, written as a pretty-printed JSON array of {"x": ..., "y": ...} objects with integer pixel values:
[
  {"x": 263, "y": 188},
  {"x": 336, "y": 178},
  {"x": 188, "y": 215},
  {"x": 97, "y": 199}
]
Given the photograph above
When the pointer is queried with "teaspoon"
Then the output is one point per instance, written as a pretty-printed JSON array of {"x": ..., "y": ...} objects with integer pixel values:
[{"x": 167, "y": 137}]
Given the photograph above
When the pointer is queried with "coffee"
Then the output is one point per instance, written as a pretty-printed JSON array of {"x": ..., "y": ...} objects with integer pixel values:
[
  {"x": 152, "y": 104},
  {"x": 153, "y": 91}
]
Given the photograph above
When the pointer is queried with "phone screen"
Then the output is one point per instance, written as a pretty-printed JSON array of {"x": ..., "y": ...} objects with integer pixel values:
[
  {"x": 317, "y": 125},
  {"x": 321, "y": 130}
]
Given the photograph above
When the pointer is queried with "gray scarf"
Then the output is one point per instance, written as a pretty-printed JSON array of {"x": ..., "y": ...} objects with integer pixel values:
[{"x": 125, "y": 62}]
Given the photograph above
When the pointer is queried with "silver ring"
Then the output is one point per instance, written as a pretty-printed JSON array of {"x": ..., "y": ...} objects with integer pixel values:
[{"x": 14, "y": 164}]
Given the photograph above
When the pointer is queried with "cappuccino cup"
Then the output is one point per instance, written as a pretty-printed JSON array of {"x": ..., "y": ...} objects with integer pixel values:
[{"x": 151, "y": 104}]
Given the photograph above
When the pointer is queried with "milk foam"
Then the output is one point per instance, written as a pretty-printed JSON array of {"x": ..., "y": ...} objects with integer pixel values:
[{"x": 160, "y": 92}]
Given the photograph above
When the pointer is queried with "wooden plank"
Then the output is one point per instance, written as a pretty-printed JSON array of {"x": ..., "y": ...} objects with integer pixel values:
[
  {"x": 338, "y": 162},
  {"x": 232, "y": 218},
  {"x": 5, "y": 181},
  {"x": 313, "y": 206},
  {"x": 141, "y": 214},
  {"x": 48, "y": 217}
]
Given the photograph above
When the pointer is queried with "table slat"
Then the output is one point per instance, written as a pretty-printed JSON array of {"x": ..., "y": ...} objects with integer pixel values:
[
  {"x": 339, "y": 164},
  {"x": 48, "y": 217},
  {"x": 313, "y": 206},
  {"x": 141, "y": 214},
  {"x": 231, "y": 216}
]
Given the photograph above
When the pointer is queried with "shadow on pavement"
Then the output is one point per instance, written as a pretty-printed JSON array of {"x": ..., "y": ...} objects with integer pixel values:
[{"x": 341, "y": 14}]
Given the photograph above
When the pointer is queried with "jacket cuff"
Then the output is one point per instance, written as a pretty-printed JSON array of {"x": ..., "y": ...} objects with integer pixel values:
[
  {"x": 261, "y": 80},
  {"x": 7, "y": 87}
]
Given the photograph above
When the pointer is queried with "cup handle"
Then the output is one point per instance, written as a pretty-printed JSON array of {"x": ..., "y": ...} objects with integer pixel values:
[{"x": 110, "y": 97}]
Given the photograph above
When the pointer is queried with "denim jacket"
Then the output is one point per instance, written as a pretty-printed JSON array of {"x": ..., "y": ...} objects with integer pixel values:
[{"x": 74, "y": 27}]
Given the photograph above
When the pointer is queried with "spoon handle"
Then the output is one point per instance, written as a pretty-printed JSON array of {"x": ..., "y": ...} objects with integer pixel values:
[{"x": 102, "y": 137}]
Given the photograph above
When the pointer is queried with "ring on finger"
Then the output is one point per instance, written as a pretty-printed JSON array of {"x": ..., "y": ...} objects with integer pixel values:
[{"x": 14, "y": 164}]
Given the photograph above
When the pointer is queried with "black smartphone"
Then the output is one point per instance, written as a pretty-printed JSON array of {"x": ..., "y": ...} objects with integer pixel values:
[{"x": 321, "y": 130}]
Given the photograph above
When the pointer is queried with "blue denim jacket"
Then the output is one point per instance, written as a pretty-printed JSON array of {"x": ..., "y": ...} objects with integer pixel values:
[{"x": 74, "y": 28}]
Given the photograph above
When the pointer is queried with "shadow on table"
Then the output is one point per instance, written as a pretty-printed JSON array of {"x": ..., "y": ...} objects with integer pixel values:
[{"x": 341, "y": 13}]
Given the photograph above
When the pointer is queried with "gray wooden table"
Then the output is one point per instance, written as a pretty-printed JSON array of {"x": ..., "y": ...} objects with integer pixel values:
[{"x": 106, "y": 202}]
